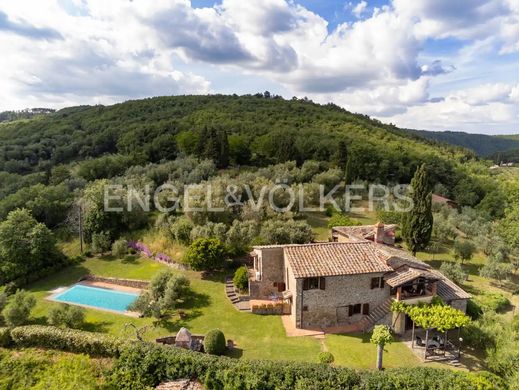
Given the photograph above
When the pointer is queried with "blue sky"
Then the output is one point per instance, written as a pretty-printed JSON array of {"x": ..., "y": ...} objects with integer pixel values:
[{"x": 427, "y": 64}]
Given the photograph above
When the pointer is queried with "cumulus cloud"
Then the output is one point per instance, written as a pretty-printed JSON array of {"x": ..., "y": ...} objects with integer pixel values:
[{"x": 80, "y": 51}]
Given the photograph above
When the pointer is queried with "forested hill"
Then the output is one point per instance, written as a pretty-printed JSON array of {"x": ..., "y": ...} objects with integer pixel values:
[
  {"x": 481, "y": 144},
  {"x": 259, "y": 130}
]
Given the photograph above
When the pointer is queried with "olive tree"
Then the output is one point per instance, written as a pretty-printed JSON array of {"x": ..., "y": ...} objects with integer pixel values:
[{"x": 381, "y": 336}]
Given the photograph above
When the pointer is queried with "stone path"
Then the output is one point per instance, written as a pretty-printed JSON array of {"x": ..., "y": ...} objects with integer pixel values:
[{"x": 239, "y": 302}]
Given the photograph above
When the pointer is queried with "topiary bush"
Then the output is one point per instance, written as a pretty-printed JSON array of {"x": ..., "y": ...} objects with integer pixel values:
[
  {"x": 214, "y": 342},
  {"x": 325, "y": 357},
  {"x": 241, "y": 278}
]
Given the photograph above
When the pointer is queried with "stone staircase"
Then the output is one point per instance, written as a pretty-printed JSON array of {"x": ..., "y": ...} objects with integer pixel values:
[
  {"x": 241, "y": 303},
  {"x": 366, "y": 323}
]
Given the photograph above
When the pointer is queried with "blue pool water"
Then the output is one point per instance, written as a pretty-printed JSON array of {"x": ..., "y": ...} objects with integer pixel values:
[{"x": 97, "y": 297}]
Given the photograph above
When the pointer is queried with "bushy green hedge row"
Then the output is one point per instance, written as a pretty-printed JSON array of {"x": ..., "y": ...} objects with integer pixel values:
[
  {"x": 95, "y": 344},
  {"x": 143, "y": 365}
]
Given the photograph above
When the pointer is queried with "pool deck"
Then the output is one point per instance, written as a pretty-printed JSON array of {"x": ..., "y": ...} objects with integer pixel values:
[
  {"x": 107, "y": 286},
  {"x": 110, "y": 286}
]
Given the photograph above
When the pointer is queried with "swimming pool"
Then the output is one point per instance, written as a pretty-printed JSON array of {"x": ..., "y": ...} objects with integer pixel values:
[{"x": 97, "y": 297}]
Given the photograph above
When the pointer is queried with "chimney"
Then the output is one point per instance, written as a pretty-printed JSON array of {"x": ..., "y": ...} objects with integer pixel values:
[{"x": 379, "y": 233}]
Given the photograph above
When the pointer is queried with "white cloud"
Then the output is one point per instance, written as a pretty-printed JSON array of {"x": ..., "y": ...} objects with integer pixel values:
[
  {"x": 359, "y": 9},
  {"x": 82, "y": 51},
  {"x": 484, "y": 109}
]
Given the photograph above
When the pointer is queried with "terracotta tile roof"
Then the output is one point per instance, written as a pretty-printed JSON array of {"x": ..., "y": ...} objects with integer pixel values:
[
  {"x": 364, "y": 231},
  {"x": 332, "y": 259},
  {"x": 406, "y": 274},
  {"x": 448, "y": 290},
  {"x": 396, "y": 257}
]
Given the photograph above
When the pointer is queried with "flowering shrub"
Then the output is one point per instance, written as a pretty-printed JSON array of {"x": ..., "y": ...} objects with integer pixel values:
[
  {"x": 140, "y": 247},
  {"x": 163, "y": 257}
]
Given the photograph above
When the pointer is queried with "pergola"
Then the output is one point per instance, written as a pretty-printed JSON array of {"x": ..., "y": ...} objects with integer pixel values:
[{"x": 435, "y": 316}]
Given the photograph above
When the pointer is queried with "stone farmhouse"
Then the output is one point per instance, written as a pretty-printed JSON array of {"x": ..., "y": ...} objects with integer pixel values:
[{"x": 350, "y": 282}]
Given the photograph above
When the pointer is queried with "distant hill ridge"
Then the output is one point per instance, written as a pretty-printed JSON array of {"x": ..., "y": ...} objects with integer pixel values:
[{"x": 483, "y": 145}]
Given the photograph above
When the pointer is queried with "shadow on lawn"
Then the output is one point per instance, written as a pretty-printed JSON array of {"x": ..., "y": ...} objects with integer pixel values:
[
  {"x": 63, "y": 278},
  {"x": 234, "y": 353}
]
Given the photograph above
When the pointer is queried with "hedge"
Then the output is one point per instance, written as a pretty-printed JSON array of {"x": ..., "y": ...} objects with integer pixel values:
[
  {"x": 143, "y": 365},
  {"x": 71, "y": 340}
]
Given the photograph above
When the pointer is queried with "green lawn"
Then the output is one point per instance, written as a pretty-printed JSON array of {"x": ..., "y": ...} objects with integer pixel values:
[
  {"x": 356, "y": 351},
  {"x": 256, "y": 336}
]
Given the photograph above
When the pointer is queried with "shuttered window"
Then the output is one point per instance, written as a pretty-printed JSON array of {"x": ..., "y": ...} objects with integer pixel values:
[
  {"x": 365, "y": 309},
  {"x": 322, "y": 283},
  {"x": 314, "y": 283},
  {"x": 377, "y": 283}
]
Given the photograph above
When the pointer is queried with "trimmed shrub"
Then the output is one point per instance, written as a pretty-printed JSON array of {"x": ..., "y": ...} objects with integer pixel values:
[
  {"x": 214, "y": 342},
  {"x": 241, "y": 278},
  {"x": 67, "y": 315},
  {"x": 325, "y": 357},
  {"x": 69, "y": 340}
]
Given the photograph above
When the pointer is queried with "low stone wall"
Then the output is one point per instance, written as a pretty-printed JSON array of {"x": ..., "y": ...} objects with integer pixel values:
[
  {"x": 142, "y": 284},
  {"x": 268, "y": 309}
]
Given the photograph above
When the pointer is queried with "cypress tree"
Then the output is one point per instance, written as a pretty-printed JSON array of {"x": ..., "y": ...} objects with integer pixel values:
[
  {"x": 213, "y": 146},
  {"x": 224, "y": 150},
  {"x": 417, "y": 224},
  {"x": 342, "y": 154},
  {"x": 201, "y": 146},
  {"x": 348, "y": 179}
]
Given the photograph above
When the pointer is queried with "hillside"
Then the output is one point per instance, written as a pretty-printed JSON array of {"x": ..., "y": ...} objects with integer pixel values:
[
  {"x": 261, "y": 130},
  {"x": 483, "y": 145}
]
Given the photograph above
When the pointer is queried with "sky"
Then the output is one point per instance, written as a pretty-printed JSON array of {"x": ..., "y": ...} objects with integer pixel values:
[{"x": 423, "y": 64}]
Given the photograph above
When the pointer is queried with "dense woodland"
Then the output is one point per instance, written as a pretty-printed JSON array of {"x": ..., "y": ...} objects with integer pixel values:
[{"x": 483, "y": 145}]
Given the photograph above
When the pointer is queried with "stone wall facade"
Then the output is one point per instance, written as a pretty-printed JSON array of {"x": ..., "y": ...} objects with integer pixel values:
[
  {"x": 460, "y": 304},
  {"x": 330, "y": 307},
  {"x": 269, "y": 265}
]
